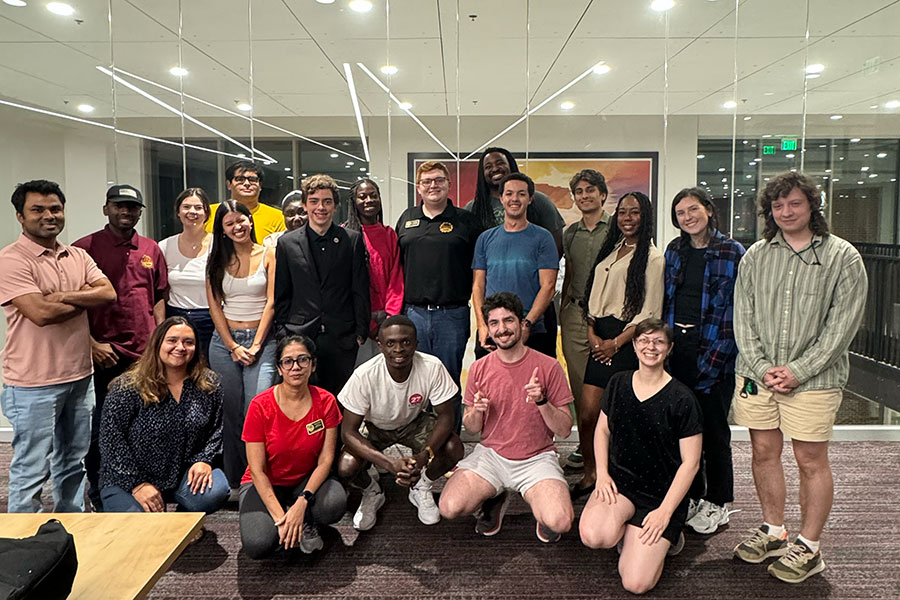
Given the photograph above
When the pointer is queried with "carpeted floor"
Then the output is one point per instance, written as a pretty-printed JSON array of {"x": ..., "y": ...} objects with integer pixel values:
[{"x": 401, "y": 558}]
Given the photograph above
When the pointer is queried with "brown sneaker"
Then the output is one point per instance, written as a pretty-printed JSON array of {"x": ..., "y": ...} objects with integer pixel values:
[
  {"x": 761, "y": 546},
  {"x": 798, "y": 564}
]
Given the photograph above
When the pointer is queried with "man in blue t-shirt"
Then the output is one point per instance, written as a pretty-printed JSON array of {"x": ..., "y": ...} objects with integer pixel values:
[{"x": 517, "y": 257}]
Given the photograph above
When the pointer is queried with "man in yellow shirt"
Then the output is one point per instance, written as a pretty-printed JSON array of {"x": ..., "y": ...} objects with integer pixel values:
[{"x": 244, "y": 182}]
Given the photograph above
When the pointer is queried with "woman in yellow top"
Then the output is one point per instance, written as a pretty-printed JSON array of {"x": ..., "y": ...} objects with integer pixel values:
[{"x": 625, "y": 287}]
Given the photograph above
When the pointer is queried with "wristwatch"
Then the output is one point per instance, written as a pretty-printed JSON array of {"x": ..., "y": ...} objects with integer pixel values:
[
  {"x": 310, "y": 497},
  {"x": 542, "y": 401},
  {"x": 527, "y": 323}
]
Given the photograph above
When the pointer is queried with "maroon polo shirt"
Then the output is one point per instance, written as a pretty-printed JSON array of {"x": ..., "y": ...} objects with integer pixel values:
[{"x": 137, "y": 270}]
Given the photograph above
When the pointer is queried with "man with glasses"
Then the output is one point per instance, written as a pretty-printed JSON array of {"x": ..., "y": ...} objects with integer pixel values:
[
  {"x": 798, "y": 301},
  {"x": 322, "y": 285},
  {"x": 394, "y": 393},
  {"x": 244, "y": 182},
  {"x": 437, "y": 241}
]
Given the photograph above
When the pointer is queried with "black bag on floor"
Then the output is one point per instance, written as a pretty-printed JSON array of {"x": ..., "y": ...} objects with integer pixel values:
[{"x": 40, "y": 567}]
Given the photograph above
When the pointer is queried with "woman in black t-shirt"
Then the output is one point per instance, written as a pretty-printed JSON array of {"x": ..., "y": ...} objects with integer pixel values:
[{"x": 647, "y": 444}]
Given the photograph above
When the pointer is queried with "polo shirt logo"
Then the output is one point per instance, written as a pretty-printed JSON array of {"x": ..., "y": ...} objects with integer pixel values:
[
  {"x": 415, "y": 399},
  {"x": 446, "y": 227},
  {"x": 411, "y": 223},
  {"x": 146, "y": 261}
]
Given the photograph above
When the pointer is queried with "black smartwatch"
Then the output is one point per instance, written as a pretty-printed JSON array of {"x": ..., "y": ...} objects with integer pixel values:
[
  {"x": 542, "y": 401},
  {"x": 310, "y": 497},
  {"x": 527, "y": 323}
]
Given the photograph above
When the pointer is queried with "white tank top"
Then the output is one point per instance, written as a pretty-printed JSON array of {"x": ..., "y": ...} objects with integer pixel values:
[{"x": 245, "y": 297}]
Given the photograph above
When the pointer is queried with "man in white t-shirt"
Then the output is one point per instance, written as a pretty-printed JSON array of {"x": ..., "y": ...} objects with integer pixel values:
[{"x": 391, "y": 393}]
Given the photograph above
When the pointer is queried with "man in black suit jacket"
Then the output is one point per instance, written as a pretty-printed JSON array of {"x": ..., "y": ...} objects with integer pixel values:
[{"x": 322, "y": 285}]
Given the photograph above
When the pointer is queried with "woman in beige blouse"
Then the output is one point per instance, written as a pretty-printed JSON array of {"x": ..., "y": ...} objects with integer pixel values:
[{"x": 625, "y": 287}]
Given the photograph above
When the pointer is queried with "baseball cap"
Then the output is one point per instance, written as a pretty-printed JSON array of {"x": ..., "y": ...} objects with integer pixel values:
[{"x": 124, "y": 193}]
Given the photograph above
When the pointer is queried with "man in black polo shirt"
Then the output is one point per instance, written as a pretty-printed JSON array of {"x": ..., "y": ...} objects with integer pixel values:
[
  {"x": 322, "y": 285},
  {"x": 436, "y": 245}
]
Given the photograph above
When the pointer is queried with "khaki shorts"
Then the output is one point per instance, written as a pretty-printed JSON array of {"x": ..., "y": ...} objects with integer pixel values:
[
  {"x": 519, "y": 475},
  {"x": 805, "y": 416},
  {"x": 414, "y": 435}
]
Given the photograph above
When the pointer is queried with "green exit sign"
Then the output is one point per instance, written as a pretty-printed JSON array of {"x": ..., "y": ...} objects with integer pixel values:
[
  {"x": 768, "y": 149},
  {"x": 788, "y": 144}
]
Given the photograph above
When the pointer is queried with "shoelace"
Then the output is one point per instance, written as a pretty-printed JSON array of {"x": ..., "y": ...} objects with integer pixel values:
[{"x": 796, "y": 555}]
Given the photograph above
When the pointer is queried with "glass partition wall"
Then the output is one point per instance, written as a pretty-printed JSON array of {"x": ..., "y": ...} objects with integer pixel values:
[{"x": 658, "y": 95}]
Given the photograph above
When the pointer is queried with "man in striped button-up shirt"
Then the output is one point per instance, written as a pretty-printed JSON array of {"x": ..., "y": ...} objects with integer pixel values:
[{"x": 799, "y": 299}]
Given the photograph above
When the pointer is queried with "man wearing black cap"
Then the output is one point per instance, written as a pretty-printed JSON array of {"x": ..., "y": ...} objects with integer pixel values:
[{"x": 119, "y": 331}]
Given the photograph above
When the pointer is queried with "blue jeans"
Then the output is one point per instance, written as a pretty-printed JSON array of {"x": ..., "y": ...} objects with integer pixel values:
[
  {"x": 51, "y": 435},
  {"x": 240, "y": 385},
  {"x": 115, "y": 499},
  {"x": 444, "y": 333}
]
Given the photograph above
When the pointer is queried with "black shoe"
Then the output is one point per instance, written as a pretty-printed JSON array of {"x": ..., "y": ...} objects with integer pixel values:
[
  {"x": 490, "y": 520},
  {"x": 576, "y": 491}
]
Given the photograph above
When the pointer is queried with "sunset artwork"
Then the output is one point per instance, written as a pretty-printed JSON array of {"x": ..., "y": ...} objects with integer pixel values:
[{"x": 624, "y": 172}]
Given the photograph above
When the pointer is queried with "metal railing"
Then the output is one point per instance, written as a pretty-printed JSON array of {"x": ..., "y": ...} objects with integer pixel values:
[{"x": 878, "y": 337}]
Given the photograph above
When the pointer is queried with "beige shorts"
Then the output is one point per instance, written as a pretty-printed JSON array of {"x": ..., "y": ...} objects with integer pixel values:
[
  {"x": 519, "y": 475},
  {"x": 805, "y": 416},
  {"x": 414, "y": 435}
]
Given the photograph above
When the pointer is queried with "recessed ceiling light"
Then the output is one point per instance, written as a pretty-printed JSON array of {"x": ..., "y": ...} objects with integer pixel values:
[
  {"x": 15, "y": 2},
  {"x": 854, "y": 140},
  {"x": 864, "y": 168},
  {"x": 325, "y": 1},
  {"x": 892, "y": 104},
  {"x": 747, "y": 118},
  {"x": 350, "y": 163},
  {"x": 405, "y": 105},
  {"x": 287, "y": 168},
  {"x": 815, "y": 68},
  {"x": 601, "y": 68},
  {"x": 881, "y": 155},
  {"x": 768, "y": 93},
  {"x": 85, "y": 108},
  {"x": 567, "y": 105},
  {"x": 789, "y": 156},
  {"x": 178, "y": 71},
  {"x": 662, "y": 5},
  {"x": 721, "y": 169},
  {"x": 836, "y": 117},
  {"x": 871, "y": 175},
  {"x": 333, "y": 155},
  {"x": 874, "y": 106},
  {"x": 360, "y": 5},
  {"x": 389, "y": 70},
  {"x": 61, "y": 8},
  {"x": 729, "y": 104},
  {"x": 701, "y": 156},
  {"x": 813, "y": 75},
  {"x": 243, "y": 106},
  {"x": 362, "y": 168}
]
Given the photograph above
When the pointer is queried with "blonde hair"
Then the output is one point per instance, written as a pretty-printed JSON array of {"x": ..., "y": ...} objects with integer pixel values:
[{"x": 431, "y": 165}]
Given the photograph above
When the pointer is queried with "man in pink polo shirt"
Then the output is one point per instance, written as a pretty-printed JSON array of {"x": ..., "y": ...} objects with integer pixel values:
[
  {"x": 119, "y": 332},
  {"x": 48, "y": 394}
]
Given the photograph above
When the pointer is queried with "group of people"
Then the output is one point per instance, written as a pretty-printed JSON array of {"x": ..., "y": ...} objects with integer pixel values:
[{"x": 230, "y": 359}]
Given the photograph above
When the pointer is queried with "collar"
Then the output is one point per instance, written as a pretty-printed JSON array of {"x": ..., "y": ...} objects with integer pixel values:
[
  {"x": 445, "y": 214},
  {"x": 604, "y": 219},
  {"x": 117, "y": 241},
  {"x": 37, "y": 250},
  {"x": 314, "y": 235},
  {"x": 816, "y": 241}
]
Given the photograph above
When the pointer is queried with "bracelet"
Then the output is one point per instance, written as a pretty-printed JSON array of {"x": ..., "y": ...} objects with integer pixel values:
[
  {"x": 236, "y": 346},
  {"x": 430, "y": 455}
]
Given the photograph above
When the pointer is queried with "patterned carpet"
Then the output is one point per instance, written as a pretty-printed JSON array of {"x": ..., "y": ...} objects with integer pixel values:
[{"x": 400, "y": 558}]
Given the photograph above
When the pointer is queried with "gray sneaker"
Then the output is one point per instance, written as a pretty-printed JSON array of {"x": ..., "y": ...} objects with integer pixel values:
[
  {"x": 547, "y": 535},
  {"x": 367, "y": 512},
  {"x": 310, "y": 541},
  {"x": 709, "y": 518},
  {"x": 798, "y": 564},
  {"x": 761, "y": 546}
]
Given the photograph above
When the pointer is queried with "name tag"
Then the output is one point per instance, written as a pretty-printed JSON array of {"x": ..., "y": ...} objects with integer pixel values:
[
  {"x": 315, "y": 427},
  {"x": 411, "y": 224}
]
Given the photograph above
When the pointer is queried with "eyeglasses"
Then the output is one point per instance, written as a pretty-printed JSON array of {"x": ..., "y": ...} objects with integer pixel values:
[
  {"x": 655, "y": 342},
  {"x": 243, "y": 178},
  {"x": 427, "y": 183},
  {"x": 301, "y": 361}
]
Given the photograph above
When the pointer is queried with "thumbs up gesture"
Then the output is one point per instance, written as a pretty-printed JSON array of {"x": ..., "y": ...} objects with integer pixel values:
[{"x": 533, "y": 389}]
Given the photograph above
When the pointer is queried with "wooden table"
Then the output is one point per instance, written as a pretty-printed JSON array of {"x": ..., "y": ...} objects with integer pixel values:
[{"x": 120, "y": 555}]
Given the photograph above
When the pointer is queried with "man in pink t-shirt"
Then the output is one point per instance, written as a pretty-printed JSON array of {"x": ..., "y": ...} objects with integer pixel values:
[
  {"x": 48, "y": 397},
  {"x": 518, "y": 399}
]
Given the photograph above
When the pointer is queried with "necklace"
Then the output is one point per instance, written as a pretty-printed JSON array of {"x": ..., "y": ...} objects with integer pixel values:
[{"x": 627, "y": 245}]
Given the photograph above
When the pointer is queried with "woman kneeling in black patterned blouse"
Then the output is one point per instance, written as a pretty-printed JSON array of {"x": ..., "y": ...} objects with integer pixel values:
[{"x": 162, "y": 428}]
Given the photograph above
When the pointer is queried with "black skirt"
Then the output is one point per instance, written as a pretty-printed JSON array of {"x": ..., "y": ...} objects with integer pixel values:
[{"x": 598, "y": 373}]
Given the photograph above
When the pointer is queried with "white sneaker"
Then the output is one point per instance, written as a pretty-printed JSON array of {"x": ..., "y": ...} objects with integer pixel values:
[
  {"x": 421, "y": 497},
  {"x": 372, "y": 499},
  {"x": 694, "y": 507},
  {"x": 709, "y": 518}
]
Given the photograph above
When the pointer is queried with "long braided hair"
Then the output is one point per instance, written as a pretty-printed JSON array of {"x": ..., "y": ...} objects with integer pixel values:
[
  {"x": 635, "y": 282},
  {"x": 353, "y": 212}
]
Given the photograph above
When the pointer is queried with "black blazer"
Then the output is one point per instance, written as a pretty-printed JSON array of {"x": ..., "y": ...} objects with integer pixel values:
[{"x": 337, "y": 303}]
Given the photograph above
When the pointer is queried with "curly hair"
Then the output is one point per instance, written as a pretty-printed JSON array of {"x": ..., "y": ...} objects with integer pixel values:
[
  {"x": 314, "y": 183},
  {"x": 148, "y": 374},
  {"x": 635, "y": 281},
  {"x": 781, "y": 186},
  {"x": 353, "y": 211},
  {"x": 595, "y": 178}
]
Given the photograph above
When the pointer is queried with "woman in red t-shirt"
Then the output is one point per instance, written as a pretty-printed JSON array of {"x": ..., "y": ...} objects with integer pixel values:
[{"x": 291, "y": 433}]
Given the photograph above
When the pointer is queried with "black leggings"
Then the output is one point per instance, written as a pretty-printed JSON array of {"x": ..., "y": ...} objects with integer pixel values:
[{"x": 259, "y": 535}]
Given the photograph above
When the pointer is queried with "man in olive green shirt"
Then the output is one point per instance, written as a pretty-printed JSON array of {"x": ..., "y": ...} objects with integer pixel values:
[
  {"x": 798, "y": 301},
  {"x": 581, "y": 243}
]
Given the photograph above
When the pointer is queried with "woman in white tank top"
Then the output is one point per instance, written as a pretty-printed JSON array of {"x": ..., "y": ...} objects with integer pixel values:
[
  {"x": 186, "y": 255},
  {"x": 240, "y": 289}
]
